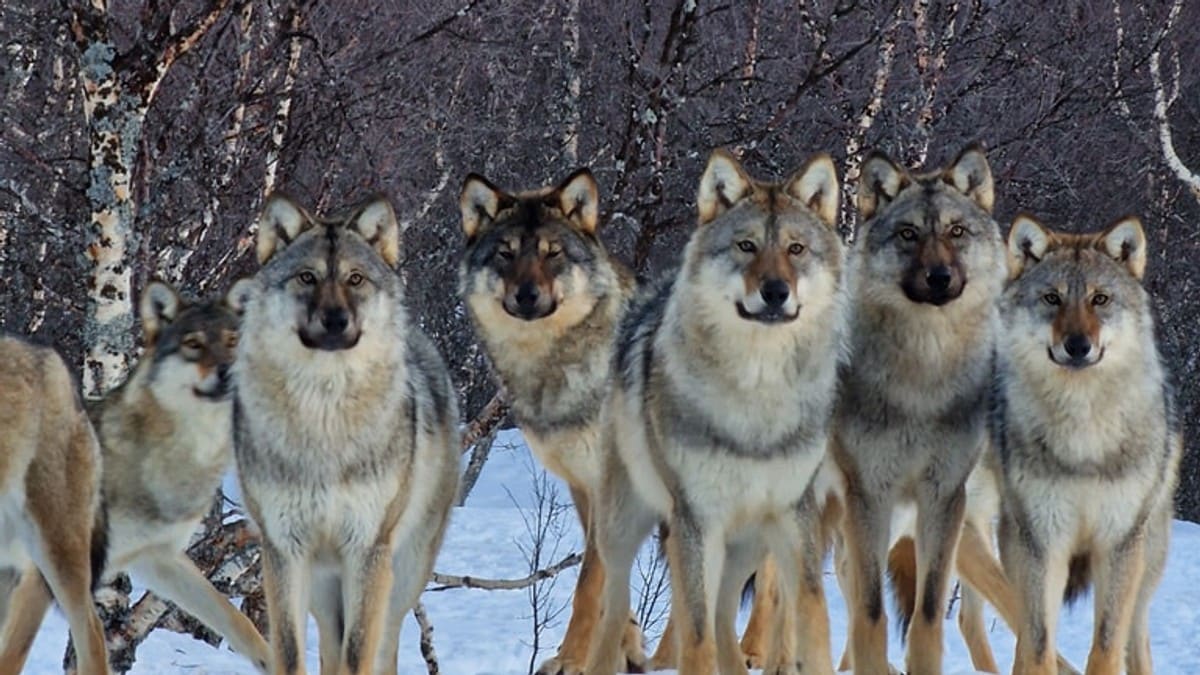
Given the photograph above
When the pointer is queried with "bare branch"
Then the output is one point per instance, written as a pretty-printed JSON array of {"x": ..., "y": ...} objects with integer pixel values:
[{"x": 447, "y": 582}]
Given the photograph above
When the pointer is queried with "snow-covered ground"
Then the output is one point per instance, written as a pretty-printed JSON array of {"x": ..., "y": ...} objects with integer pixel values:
[{"x": 478, "y": 632}]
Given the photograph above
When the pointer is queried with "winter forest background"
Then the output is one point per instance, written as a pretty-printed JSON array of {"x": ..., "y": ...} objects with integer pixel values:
[{"x": 138, "y": 138}]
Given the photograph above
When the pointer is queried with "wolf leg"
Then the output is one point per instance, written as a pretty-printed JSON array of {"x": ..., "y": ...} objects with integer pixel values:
[
  {"x": 1039, "y": 575},
  {"x": 740, "y": 560},
  {"x": 1137, "y": 653},
  {"x": 585, "y": 605},
  {"x": 756, "y": 641},
  {"x": 1118, "y": 576},
  {"x": 865, "y": 528},
  {"x": 666, "y": 654},
  {"x": 172, "y": 575},
  {"x": 974, "y": 559},
  {"x": 412, "y": 566},
  {"x": 697, "y": 560},
  {"x": 66, "y": 565},
  {"x": 28, "y": 604},
  {"x": 366, "y": 589},
  {"x": 285, "y": 584},
  {"x": 939, "y": 522},
  {"x": 803, "y": 553},
  {"x": 325, "y": 604}
]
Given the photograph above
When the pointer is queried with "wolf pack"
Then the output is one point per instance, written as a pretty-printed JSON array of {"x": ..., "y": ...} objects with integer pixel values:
[{"x": 927, "y": 402}]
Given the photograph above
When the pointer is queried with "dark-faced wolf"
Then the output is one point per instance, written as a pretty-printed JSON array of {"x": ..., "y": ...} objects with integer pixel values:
[
  {"x": 346, "y": 435},
  {"x": 926, "y": 269},
  {"x": 719, "y": 417},
  {"x": 1089, "y": 440},
  {"x": 545, "y": 298},
  {"x": 49, "y": 496}
]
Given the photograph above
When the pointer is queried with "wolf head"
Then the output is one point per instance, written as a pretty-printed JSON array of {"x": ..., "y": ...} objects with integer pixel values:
[
  {"x": 531, "y": 254},
  {"x": 1076, "y": 298},
  {"x": 190, "y": 347},
  {"x": 328, "y": 280},
  {"x": 928, "y": 235},
  {"x": 765, "y": 252}
]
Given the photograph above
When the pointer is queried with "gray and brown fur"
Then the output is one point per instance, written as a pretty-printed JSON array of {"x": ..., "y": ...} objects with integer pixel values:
[
  {"x": 50, "y": 467},
  {"x": 927, "y": 266},
  {"x": 726, "y": 373},
  {"x": 545, "y": 297},
  {"x": 346, "y": 435},
  {"x": 1088, "y": 437},
  {"x": 166, "y": 437}
]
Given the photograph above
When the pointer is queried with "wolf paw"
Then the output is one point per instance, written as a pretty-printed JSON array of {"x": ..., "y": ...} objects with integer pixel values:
[
  {"x": 633, "y": 648},
  {"x": 559, "y": 666},
  {"x": 754, "y": 660}
]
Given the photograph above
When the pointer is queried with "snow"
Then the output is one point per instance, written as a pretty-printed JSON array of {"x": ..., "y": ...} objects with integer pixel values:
[{"x": 478, "y": 632}]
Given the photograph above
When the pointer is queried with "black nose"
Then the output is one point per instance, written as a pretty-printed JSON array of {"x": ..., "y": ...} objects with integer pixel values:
[
  {"x": 223, "y": 373},
  {"x": 774, "y": 292},
  {"x": 335, "y": 320},
  {"x": 1077, "y": 346},
  {"x": 938, "y": 278},
  {"x": 527, "y": 296}
]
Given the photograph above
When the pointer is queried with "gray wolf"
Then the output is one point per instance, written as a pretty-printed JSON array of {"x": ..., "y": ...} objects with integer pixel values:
[
  {"x": 166, "y": 438},
  {"x": 726, "y": 375},
  {"x": 545, "y": 297},
  {"x": 49, "y": 495},
  {"x": 926, "y": 269},
  {"x": 345, "y": 435},
  {"x": 1088, "y": 437}
]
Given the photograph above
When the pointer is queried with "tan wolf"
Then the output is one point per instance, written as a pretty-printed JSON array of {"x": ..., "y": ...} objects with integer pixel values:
[
  {"x": 545, "y": 298},
  {"x": 166, "y": 437},
  {"x": 346, "y": 435},
  {"x": 49, "y": 496},
  {"x": 926, "y": 269},
  {"x": 1089, "y": 440},
  {"x": 726, "y": 374}
]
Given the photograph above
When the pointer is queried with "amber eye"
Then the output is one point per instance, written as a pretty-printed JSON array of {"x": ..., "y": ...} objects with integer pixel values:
[
  {"x": 355, "y": 279},
  {"x": 231, "y": 341},
  {"x": 957, "y": 231},
  {"x": 1099, "y": 300},
  {"x": 308, "y": 278},
  {"x": 1052, "y": 298},
  {"x": 553, "y": 252},
  {"x": 796, "y": 248},
  {"x": 746, "y": 246},
  {"x": 191, "y": 342},
  {"x": 907, "y": 233}
]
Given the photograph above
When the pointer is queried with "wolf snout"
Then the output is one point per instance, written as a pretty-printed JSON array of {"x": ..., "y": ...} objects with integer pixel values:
[
  {"x": 1076, "y": 350},
  {"x": 1077, "y": 346},
  {"x": 335, "y": 320},
  {"x": 938, "y": 278},
  {"x": 527, "y": 298},
  {"x": 775, "y": 293}
]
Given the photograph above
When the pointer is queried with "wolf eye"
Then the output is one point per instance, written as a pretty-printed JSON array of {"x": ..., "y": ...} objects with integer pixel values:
[
  {"x": 355, "y": 279},
  {"x": 747, "y": 246},
  {"x": 505, "y": 254},
  {"x": 231, "y": 341},
  {"x": 1099, "y": 299},
  {"x": 193, "y": 343},
  {"x": 1052, "y": 298},
  {"x": 308, "y": 278},
  {"x": 957, "y": 231},
  {"x": 907, "y": 233},
  {"x": 796, "y": 248},
  {"x": 553, "y": 251}
]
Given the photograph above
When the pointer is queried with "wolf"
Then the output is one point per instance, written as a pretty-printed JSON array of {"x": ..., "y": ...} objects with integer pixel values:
[
  {"x": 910, "y": 424},
  {"x": 545, "y": 297},
  {"x": 166, "y": 438},
  {"x": 725, "y": 381},
  {"x": 345, "y": 434},
  {"x": 50, "y": 467},
  {"x": 1089, "y": 439}
]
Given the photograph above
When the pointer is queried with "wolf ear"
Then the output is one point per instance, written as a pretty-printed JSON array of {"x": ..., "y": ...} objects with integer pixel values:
[
  {"x": 579, "y": 199},
  {"x": 723, "y": 184},
  {"x": 479, "y": 202},
  {"x": 879, "y": 181},
  {"x": 816, "y": 184},
  {"x": 972, "y": 176},
  {"x": 282, "y": 220},
  {"x": 1028, "y": 241},
  {"x": 159, "y": 307},
  {"x": 1125, "y": 241},
  {"x": 376, "y": 222},
  {"x": 240, "y": 294}
]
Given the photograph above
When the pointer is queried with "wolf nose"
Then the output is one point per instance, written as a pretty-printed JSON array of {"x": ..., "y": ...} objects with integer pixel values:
[
  {"x": 527, "y": 296},
  {"x": 1077, "y": 346},
  {"x": 774, "y": 292},
  {"x": 335, "y": 321},
  {"x": 938, "y": 278}
]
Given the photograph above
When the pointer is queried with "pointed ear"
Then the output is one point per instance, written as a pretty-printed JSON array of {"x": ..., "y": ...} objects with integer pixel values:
[
  {"x": 479, "y": 203},
  {"x": 972, "y": 176},
  {"x": 376, "y": 222},
  {"x": 879, "y": 181},
  {"x": 1028, "y": 241},
  {"x": 579, "y": 199},
  {"x": 159, "y": 307},
  {"x": 723, "y": 184},
  {"x": 282, "y": 220},
  {"x": 816, "y": 184},
  {"x": 240, "y": 294},
  {"x": 1125, "y": 241}
]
